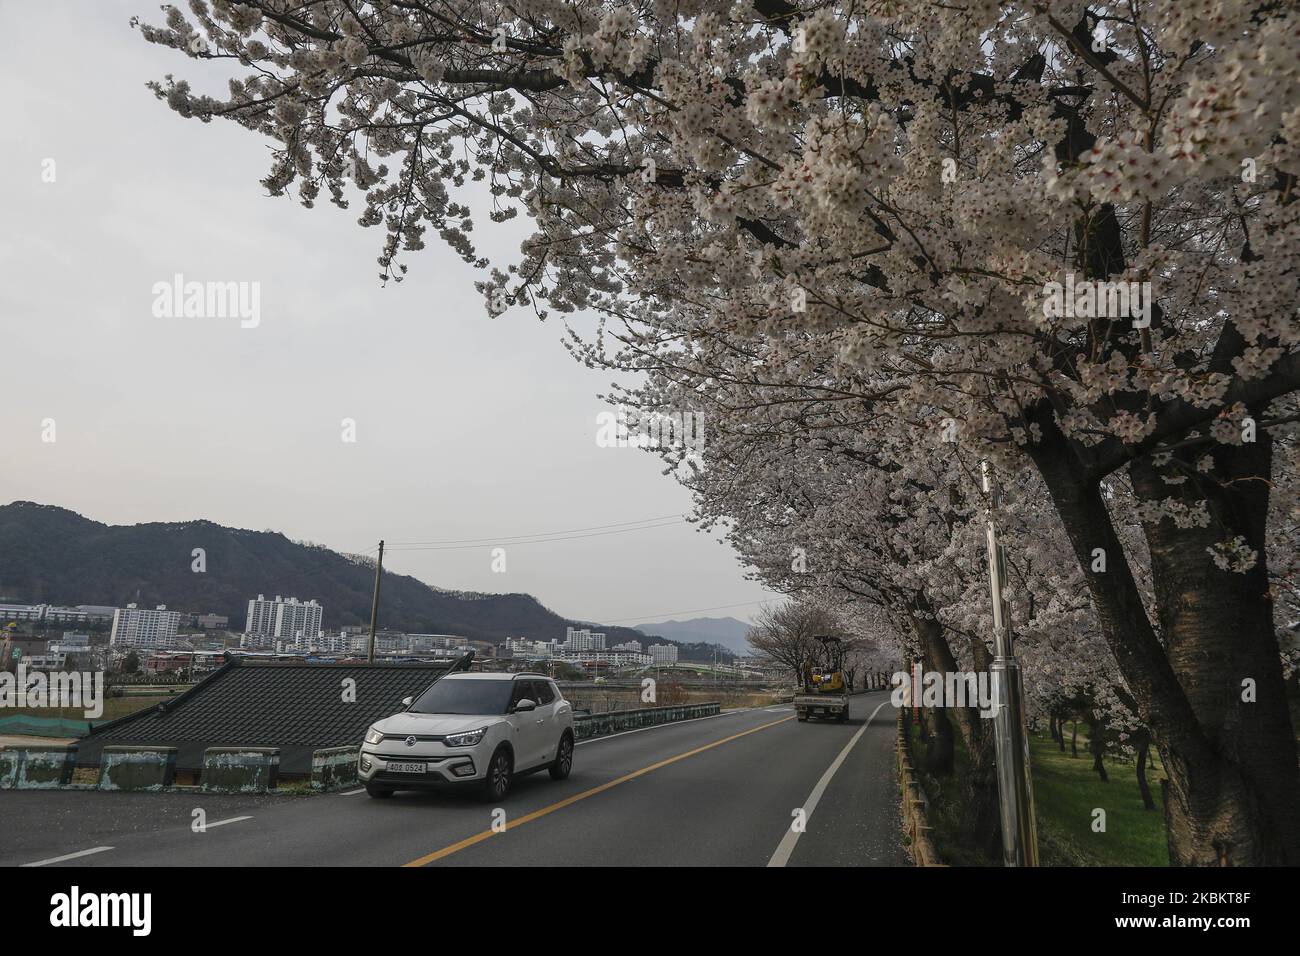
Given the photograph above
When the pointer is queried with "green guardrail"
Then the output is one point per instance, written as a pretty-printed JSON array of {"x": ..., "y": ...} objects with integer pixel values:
[
  {"x": 21, "y": 725},
  {"x": 600, "y": 725}
]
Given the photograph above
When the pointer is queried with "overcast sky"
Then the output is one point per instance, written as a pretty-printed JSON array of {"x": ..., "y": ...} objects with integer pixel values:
[{"x": 466, "y": 427}]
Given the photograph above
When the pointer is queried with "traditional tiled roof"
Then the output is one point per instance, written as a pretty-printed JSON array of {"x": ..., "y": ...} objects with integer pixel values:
[{"x": 298, "y": 707}]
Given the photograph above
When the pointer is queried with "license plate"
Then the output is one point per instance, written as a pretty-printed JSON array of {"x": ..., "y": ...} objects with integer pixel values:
[{"x": 403, "y": 767}]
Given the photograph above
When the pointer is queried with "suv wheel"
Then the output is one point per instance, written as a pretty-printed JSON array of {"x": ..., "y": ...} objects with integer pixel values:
[
  {"x": 563, "y": 761},
  {"x": 497, "y": 782},
  {"x": 375, "y": 790}
]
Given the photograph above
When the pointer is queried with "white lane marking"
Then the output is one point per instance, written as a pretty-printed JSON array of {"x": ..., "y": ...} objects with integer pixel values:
[
  {"x": 673, "y": 723},
  {"x": 786, "y": 847},
  {"x": 69, "y": 856},
  {"x": 222, "y": 823},
  {"x": 353, "y": 793},
  {"x": 778, "y": 710}
]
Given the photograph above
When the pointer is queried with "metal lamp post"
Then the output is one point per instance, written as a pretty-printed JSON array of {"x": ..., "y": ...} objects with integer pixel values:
[{"x": 1015, "y": 789}]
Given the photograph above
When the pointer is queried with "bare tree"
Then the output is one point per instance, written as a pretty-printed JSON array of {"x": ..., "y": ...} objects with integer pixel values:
[{"x": 787, "y": 633}]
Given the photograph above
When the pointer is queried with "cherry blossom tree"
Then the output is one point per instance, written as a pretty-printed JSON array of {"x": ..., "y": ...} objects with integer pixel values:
[{"x": 894, "y": 193}]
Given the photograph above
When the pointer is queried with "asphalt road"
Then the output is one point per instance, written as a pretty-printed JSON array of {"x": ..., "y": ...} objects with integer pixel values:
[{"x": 727, "y": 790}]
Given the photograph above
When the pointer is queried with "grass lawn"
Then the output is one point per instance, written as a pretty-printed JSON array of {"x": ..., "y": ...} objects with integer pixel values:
[
  {"x": 1066, "y": 791},
  {"x": 114, "y": 707}
]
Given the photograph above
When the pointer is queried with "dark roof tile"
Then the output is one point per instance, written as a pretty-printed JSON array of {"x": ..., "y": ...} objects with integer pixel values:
[{"x": 297, "y": 707}]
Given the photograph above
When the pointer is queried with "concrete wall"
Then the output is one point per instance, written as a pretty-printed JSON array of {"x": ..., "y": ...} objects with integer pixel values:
[
  {"x": 240, "y": 769},
  {"x": 334, "y": 768},
  {"x": 600, "y": 725},
  {"x": 136, "y": 768},
  {"x": 42, "y": 767},
  {"x": 8, "y": 767}
]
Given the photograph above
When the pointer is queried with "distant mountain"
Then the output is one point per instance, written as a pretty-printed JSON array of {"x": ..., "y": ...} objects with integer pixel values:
[
  {"x": 727, "y": 631},
  {"x": 52, "y": 555}
]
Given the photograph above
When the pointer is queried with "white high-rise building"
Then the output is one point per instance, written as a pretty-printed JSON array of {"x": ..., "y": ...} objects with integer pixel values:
[
  {"x": 524, "y": 648},
  {"x": 285, "y": 620},
  {"x": 663, "y": 653},
  {"x": 583, "y": 639},
  {"x": 138, "y": 627}
]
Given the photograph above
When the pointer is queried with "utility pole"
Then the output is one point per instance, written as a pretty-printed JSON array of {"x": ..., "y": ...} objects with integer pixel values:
[
  {"x": 374, "y": 604},
  {"x": 1011, "y": 744}
]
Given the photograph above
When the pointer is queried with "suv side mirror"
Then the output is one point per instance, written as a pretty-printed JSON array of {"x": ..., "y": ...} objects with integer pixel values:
[
  {"x": 408, "y": 701},
  {"x": 525, "y": 704}
]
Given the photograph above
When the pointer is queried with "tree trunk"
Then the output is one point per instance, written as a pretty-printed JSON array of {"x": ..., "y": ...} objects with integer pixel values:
[
  {"x": 1143, "y": 738},
  {"x": 982, "y": 784},
  {"x": 1233, "y": 781},
  {"x": 1074, "y": 738},
  {"x": 939, "y": 755},
  {"x": 1097, "y": 745},
  {"x": 939, "y": 657},
  {"x": 1219, "y": 631},
  {"x": 980, "y": 795}
]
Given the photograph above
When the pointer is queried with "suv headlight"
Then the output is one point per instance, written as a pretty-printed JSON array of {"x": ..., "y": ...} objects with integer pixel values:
[
  {"x": 374, "y": 736},
  {"x": 467, "y": 739}
]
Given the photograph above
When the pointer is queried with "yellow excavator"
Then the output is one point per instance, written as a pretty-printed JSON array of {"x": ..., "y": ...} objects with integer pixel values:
[{"x": 823, "y": 693}]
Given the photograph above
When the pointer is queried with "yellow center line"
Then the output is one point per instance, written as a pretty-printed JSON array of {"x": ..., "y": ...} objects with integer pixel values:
[{"x": 538, "y": 814}]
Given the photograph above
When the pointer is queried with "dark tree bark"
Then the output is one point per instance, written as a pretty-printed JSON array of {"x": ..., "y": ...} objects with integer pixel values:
[
  {"x": 939, "y": 755},
  {"x": 1219, "y": 631},
  {"x": 1233, "y": 781},
  {"x": 1143, "y": 740},
  {"x": 939, "y": 657},
  {"x": 982, "y": 796},
  {"x": 1097, "y": 745},
  {"x": 1074, "y": 738},
  {"x": 922, "y": 724}
]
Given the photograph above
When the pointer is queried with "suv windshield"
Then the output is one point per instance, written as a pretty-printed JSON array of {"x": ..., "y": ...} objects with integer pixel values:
[{"x": 464, "y": 697}]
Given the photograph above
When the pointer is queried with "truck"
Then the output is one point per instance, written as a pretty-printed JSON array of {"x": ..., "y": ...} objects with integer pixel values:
[{"x": 823, "y": 692}]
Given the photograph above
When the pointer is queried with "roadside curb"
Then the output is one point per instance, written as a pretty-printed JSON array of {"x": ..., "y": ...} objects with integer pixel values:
[{"x": 915, "y": 803}]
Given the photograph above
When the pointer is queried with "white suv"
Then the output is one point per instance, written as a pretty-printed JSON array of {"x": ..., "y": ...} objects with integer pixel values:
[{"x": 479, "y": 729}]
